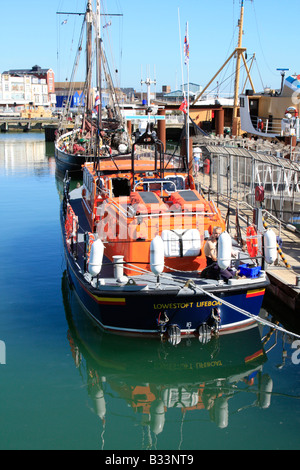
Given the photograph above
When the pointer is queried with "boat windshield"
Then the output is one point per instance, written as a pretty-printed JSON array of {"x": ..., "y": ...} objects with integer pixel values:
[{"x": 170, "y": 184}]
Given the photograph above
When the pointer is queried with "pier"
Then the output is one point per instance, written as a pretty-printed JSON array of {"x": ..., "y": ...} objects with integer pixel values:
[
  {"x": 13, "y": 124},
  {"x": 285, "y": 276}
]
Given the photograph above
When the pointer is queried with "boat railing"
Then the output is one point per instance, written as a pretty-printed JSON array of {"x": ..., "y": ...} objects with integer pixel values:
[
  {"x": 173, "y": 214},
  {"x": 267, "y": 125},
  {"x": 157, "y": 184},
  {"x": 242, "y": 212},
  {"x": 174, "y": 119}
]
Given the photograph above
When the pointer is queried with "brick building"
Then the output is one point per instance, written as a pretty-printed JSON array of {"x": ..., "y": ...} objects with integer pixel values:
[{"x": 20, "y": 87}]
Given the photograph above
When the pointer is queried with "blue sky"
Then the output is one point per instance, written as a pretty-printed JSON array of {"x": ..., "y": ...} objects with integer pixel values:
[{"x": 147, "y": 38}]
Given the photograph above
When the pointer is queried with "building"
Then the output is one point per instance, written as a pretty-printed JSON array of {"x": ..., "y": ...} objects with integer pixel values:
[
  {"x": 178, "y": 95},
  {"x": 62, "y": 94},
  {"x": 21, "y": 87},
  {"x": 77, "y": 98}
]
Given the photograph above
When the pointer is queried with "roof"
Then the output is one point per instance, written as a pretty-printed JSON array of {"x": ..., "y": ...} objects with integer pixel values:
[{"x": 35, "y": 70}]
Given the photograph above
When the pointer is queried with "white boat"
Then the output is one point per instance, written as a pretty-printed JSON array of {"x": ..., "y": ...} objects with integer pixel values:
[{"x": 272, "y": 113}]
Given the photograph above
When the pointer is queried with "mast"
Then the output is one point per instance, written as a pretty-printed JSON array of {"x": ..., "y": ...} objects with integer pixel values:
[
  {"x": 148, "y": 82},
  {"x": 187, "y": 62},
  {"x": 89, "y": 29},
  {"x": 99, "y": 56},
  {"x": 239, "y": 51}
]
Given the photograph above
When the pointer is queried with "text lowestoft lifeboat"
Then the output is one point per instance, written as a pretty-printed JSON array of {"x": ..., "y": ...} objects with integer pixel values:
[{"x": 134, "y": 244}]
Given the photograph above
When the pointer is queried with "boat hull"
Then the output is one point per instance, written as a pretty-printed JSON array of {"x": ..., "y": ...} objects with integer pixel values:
[
  {"x": 134, "y": 310},
  {"x": 68, "y": 162},
  {"x": 233, "y": 354}
]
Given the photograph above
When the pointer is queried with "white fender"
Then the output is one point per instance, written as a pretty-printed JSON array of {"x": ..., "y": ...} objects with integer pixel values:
[
  {"x": 224, "y": 250},
  {"x": 265, "y": 391},
  {"x": 96, "y": 258},
  {"x": 99, "y": 404},
  {"x": 270, "y": 246},
  {"x": 221, "y": 412},
  {"x": 157, "y": 256},
  {"x": 157, "y": 416}
]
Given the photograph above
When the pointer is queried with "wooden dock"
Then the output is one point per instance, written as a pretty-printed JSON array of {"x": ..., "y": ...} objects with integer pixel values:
[{"x": 285, "y": 282}]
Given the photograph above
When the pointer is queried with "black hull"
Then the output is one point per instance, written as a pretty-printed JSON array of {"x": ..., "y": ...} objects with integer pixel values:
[{"x": 69, "y": 162}]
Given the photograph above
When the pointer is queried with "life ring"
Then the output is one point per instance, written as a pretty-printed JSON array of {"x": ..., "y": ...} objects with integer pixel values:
[
  {"x": 259, "y": 193},
  {"x": 206, "y": 166},
  {"x": 252, "y": 242},
  {"x": 292, "y": 110},
  {"x": 260, "y": 125}
]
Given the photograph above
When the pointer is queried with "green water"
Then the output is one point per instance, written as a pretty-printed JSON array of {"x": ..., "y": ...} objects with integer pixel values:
[{"x": 65, "y": 385}]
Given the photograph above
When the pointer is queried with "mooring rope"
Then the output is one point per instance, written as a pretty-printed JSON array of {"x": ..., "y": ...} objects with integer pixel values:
[
  {"x": 224, "y": 302},
  {"x": 248, "y": 314}
]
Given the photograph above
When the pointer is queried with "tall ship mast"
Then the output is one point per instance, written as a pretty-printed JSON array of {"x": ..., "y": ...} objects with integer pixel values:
[{"x": 94, "y": 134}]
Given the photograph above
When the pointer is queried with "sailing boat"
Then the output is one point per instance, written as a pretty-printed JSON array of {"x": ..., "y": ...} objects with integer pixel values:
[{"x": 94, "y": 134}]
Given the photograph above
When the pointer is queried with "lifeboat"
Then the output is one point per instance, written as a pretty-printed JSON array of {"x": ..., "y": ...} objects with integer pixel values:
[{"x": 134, "y": 237}]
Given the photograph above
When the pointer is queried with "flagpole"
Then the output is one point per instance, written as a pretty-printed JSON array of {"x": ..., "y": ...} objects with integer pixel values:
[
  {"x": 188, "y": 96},
  {"x": 182, "y": 79}
]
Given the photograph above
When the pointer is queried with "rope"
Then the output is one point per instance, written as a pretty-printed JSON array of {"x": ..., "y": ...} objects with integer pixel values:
[
  {"x": 248, "y": 314},
  {"x": 228, "y": 304}
]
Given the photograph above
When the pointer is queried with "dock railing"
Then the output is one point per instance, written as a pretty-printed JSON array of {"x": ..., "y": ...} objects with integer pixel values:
[
  {"x": 239, "y": 215},
  {"x": 234, "y": 169}
]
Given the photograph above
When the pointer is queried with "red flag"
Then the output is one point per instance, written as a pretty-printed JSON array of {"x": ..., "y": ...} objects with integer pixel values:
[
  {"x": 97, "y": 102},
  {"x": 183, "y": 106}
]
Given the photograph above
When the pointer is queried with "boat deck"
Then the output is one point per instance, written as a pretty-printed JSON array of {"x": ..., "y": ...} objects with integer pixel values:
[{"x": 180, "y": 282}]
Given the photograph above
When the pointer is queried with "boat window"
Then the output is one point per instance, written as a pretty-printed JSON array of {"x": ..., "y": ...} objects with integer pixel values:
[
  {"x": 88, "y": 180},
  {"x": 159, "y": 185},
  {"x": 121, "y": 187},
  {"x": 178, "y": 181}
]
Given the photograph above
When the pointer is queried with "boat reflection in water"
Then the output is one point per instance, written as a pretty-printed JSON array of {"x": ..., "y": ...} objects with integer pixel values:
[{"x": 154, "y": 377}]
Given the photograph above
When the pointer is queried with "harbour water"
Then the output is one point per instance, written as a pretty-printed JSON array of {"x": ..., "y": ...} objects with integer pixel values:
[{"x": 65, "y": 385}]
